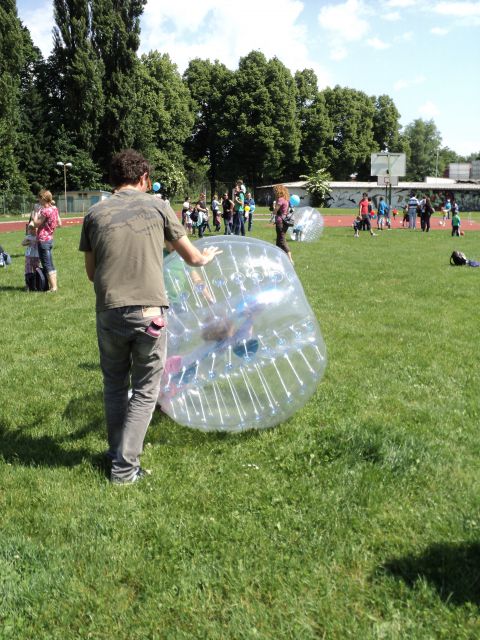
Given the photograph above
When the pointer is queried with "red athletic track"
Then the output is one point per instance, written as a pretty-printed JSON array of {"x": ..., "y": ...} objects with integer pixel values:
[{"x": 330, "y": 221}]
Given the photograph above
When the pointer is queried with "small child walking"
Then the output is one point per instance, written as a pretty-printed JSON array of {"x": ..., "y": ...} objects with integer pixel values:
[
  {"x": 32, "y": 260},
  {"x": 357, "y": 225},
  {"x": 456, "y": 224}
]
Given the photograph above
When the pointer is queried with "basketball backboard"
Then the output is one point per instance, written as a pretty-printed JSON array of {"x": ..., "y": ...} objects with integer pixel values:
[
  {"x": 385, "y": 181},
  {"x": 385, "y": 163}
]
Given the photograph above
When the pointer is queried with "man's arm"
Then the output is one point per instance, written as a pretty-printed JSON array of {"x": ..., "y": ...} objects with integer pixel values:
[
  {"x": 191, "y": 254},
  {"x": 90, "y": 265}
]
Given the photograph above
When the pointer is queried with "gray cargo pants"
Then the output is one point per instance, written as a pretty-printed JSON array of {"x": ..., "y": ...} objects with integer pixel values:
[{"x": 129, "y": 354}]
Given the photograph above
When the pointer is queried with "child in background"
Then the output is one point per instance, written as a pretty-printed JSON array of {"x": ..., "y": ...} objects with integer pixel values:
[
  {"x": 357, "y": 225},
  {"x": 32, "y": 260},
  {"x": 188, "y": 220},
  {"x": 394, "y": 214},
  {"x": 455, "y": 224}
]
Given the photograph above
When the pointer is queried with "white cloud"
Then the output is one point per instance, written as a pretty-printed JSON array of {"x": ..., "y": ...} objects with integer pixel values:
[
  {"x": 338, "y": 53},
  {"x": 393, "y": 16},
  {"x": 458, "y": 9},
  {"x": 401, "y": 84},
  {"x": 429, "y": 109},
  {"x": 439, "y": 31},
  {"x": 400, "y": 3},
  {"x": 376, "y": 43},
  {"x": 39, "y": 22},
  {"x": 405, "y": 37},
  {"x": 344, "y": 20},
  {"x": 218, "y": 30}
]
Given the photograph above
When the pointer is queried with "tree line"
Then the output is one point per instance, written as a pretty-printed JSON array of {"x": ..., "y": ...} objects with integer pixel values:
[{"x": 94, "y": 96}]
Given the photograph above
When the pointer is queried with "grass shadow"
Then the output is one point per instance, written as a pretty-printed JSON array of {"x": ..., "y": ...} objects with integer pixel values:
[
  {"x": 89, "y": 366},
  {"x": 17, "y": 447},
  {"x": 7, "y": 287},
  {"x": 452, "y": 569},
  {"x": 85, "y": 416}
]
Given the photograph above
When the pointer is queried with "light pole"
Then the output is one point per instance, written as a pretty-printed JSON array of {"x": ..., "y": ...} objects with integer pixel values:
[{"x": 65, "y": 165}]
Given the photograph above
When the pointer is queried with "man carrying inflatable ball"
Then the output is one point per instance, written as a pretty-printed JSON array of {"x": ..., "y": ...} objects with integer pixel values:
[{"x": 123, "y": 239}]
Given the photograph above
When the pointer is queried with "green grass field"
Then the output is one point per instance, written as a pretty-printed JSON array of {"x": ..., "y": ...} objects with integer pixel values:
[{"x": 357, "y": 518}]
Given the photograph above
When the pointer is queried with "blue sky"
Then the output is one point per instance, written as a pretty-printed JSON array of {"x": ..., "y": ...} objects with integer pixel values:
[{"x": 424, "y": 55}]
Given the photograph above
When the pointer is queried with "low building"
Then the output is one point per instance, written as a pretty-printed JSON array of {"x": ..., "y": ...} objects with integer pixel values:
[
  {"x": 79, "y": 201},
  {"x": 347, "y": 195}
]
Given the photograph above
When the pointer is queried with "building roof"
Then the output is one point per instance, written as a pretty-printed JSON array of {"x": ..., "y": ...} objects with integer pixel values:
[{"x": 414, "y": 186}]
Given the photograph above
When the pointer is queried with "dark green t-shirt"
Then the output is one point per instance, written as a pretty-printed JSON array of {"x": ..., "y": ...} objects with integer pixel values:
[{"x": 126, "y": 234}]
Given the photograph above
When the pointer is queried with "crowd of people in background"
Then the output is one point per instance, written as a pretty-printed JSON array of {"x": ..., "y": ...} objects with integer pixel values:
[
  {"x": 413, "y": 210},
  {"x": 235, "y": 209}
]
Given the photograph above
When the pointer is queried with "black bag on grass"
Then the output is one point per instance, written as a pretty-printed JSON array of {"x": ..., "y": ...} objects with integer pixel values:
[
  {"x": 458, "y": 259},
  {"x": 36, "y": 281}
]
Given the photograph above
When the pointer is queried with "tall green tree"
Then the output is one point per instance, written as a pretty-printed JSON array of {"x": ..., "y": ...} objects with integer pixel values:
[
  {"x": 33, "y": 148},
  {"x": 164, "y": 110},
  {"x": 215, "y": 105},
  {"x": 116, "y": 38},
  {"x": 352, "y": 113},
  {"x": 164, "y": 119},
  {"x": 386, "y": 125},
  {"x": 11, "y": 64},
  {"x": 315, "y": 124},
  {"x": 266, "y": 137},
  {"x": 422, "y": 140},
  {"x": 78, "y": 72}
]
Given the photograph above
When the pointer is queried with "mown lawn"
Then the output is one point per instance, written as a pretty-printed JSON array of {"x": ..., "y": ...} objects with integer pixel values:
[{"x": 358, "y": 518}]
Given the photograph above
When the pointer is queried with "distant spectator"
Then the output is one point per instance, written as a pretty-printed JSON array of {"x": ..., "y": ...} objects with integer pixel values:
[
  {"x": 455, "y": 224},
  {"x": 227, "y": 214},
  {"x": 185, "y": 208},
  {"x": 46, "y": 220},
  {"x": 383, "y": 211},
  {"x": 282, "y": 198},
  {"x": 364, "y": 209},
  {"x": 413, "y": 211},
  {"x": 447, "y": 208},
  {"x": 250, "y": 203},
  {"x": 216, "y": 212},
  {"x": 426, "y": 213},
  {"x": 238, "y": 211}
]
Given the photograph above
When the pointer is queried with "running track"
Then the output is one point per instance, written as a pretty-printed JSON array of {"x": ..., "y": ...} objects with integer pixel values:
[{"x": 330, "y": 221}]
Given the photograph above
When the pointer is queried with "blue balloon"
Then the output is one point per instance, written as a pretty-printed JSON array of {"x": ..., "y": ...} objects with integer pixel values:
[
  {"x": 294, "y": 201},
  {"x": 156, "y": 186}
]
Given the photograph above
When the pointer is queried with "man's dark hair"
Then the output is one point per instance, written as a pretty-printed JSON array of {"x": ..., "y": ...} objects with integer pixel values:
[{"x": 127, "y": 167}]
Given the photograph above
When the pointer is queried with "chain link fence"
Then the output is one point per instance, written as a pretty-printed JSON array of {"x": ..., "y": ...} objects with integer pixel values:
[
  {"x": 12, "y": 204},
  {"x": 78, "y": 203}
]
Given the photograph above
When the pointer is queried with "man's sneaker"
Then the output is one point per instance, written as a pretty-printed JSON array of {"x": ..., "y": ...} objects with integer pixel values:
[
  {"x": 139, "y": 475},
  {"x": 374, "y": 235}
]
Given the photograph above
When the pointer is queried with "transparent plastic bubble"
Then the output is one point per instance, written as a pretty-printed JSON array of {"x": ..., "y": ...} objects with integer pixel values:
[
  {"x": 308, "y": 225},
  {"x": 244, "y": 347}
]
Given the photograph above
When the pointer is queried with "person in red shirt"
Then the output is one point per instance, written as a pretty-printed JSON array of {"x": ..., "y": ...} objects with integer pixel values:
[{"x": 364, "y": 213}]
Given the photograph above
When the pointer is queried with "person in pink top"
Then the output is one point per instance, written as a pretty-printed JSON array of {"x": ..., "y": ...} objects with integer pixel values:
[
  {"x": 280, "y": 212},
  {"x": 46, "y": 219}
]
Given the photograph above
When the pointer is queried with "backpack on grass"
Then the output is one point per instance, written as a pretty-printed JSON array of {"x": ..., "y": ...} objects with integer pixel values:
[
  {"x": 458, "y": 259},
  {"x": 36, "y": 281},
  {"x": 5, "y": 258}
]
